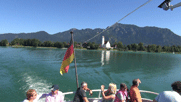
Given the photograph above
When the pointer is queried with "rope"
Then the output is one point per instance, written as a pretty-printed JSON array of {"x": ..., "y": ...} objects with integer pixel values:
[{"x": 119, "y": 20}]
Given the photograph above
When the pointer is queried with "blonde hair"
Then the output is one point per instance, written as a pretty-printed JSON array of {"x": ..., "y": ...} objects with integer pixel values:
[
  {"x": 113, "y": 88},
  {"x": 29, "y": 93}
]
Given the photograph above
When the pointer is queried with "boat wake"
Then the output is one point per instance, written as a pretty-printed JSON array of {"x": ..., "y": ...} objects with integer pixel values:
[{"x": 34, "y": 82}]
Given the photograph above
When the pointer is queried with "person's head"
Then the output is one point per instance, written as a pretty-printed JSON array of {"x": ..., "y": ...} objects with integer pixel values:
[
  {"x": 55, "y": 89},
  {"x": 84, "y": 85},
  {"x": 176, "y": 86},
  {"x": 112, "y": 88},
  {"x": 136, "y": 82},
  {"x": 31, "y": 94},
  {"x": 123, "y": 86}
]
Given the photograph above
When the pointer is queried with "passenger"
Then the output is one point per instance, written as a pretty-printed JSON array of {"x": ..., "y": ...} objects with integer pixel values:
[
  {"x": 32, "y": 96},
  {"x": 80, "y": 95},
  {"x": 109, "y": 95},
  {"x": 122, "y": 94},
  {"x": 135, "y": 95},
  {"x": 55, "y": 95},
  {"x": 170, "y": 96}
]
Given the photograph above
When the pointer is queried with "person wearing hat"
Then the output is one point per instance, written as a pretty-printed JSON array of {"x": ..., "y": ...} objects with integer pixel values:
[{"x": 55, "y": 95}]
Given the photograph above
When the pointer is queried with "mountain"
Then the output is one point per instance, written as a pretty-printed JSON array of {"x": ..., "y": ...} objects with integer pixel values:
[{"x": 127, "y": 34}]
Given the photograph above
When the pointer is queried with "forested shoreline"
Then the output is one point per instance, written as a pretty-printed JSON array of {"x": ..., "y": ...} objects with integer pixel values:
[{"x": 92, "y": 45}]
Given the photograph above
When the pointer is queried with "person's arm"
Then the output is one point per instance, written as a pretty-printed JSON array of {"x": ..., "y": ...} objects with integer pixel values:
[
  {"x": 85, "y": 99},
  {"x": 90, "y": 91},
  {"x": 108, "y": 97},
  {"x": 42, "y": 96},
  {"x": 139, "y": 80},
  {"x": 104, "y": 96}
]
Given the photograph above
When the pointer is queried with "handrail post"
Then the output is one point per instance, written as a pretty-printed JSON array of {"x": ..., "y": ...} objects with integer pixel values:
[{"x": 99, "y": 94}]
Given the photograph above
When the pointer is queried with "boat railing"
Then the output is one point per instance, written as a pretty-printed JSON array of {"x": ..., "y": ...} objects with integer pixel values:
[{"x": 99, "y": 95}]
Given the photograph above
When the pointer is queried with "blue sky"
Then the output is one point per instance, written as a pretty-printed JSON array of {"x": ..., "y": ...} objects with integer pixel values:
[{"x": 53, "y": 16}]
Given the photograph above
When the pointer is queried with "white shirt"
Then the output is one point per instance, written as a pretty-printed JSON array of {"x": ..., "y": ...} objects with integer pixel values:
[
  {"x": 59, "y": 97},
  {"x": 168, "y": 96}
]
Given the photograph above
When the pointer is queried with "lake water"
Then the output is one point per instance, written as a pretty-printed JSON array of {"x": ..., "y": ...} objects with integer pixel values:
[{"x": 38, "y": 68}]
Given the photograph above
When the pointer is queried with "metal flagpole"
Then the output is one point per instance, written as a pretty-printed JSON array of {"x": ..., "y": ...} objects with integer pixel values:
[{"x": 75, "y": 61}]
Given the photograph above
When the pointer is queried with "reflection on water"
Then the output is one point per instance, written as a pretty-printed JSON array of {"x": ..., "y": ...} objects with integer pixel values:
[
  {"x": 107, "y": 56},
  {"x": 24, "y": 68},
  {"x": 102, "y": 57}
]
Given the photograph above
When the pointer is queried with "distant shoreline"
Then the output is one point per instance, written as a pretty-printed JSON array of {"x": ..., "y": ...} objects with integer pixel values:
[{"x": 19, "y": 46}]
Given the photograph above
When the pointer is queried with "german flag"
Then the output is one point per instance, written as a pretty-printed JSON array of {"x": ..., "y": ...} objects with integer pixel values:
[{"x": 68, "y": 58}]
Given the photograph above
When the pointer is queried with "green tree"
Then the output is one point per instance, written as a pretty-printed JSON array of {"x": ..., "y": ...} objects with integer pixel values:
[
  {"x": 179, "y": 48},
  {"x": 152, "y": 48},
  {"x": 158, "y": 48},
  {"x": 75, "y": 44},
  {"x": 88, "y": 44},
  {"x": 120, "y": 45},
  {"x": 15, "y": 42},
  {"x": 134, "y": 47},
  {"x": 58, "y": 45},
  {"x": 35, "y": 42},
  {"x": 94, "y": 46},
  {"x": 129, "y": 47},
  {"x": 141, "y": 47},
  {"x": 21, "y": 41},
  {"x": 48, "y": 44},
  {"x": 173, "y": 48},
  {"x": 164, "y": 48},
  {"x": 79, "y": 45},
  {"x": 4, "y": 42},
  {"x": 27, "y": 42},
  {"x": 65, "y": 45}
]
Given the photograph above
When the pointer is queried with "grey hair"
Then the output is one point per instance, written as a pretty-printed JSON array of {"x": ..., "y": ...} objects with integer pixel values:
[{"x": 83, "y": 84}]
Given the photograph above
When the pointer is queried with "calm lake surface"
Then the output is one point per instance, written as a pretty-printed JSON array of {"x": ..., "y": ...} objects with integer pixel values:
[{"x": 38, "y": 68}]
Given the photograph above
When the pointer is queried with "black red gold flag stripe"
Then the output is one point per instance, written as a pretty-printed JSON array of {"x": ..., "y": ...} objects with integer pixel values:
[{"x": 68, "y": 58}]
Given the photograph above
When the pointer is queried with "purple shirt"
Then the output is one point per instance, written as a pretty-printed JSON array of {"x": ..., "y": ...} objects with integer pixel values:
[{"x": 59, "y": 97}]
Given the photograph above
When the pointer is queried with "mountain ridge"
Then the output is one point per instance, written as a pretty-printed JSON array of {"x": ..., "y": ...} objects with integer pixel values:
[{"x": 126, "y": 33}]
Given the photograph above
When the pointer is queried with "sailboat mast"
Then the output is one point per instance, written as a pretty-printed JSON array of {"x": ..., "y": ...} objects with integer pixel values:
[{"x": 75, "y": 61}]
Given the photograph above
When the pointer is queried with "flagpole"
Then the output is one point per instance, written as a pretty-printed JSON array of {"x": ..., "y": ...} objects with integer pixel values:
[{"x": 75, "y": 61}]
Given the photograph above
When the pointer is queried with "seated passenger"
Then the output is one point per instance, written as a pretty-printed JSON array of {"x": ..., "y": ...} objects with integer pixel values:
[
  {"x": 122, "y": 94},
  {"x": 170, "y": 96},
  {"x": 31, "y": 96},
  {"x": 109, "y": 95},
  {"x": 80, "y": 95},
  {"x": 135, "y": 95},
  {"x": 55, "y": 95}
]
